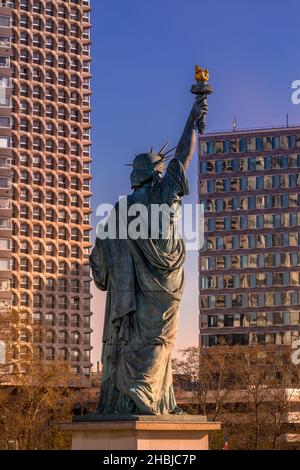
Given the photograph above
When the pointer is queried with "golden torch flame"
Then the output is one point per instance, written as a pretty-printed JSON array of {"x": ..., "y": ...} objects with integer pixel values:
[{"x": 201, "y": 75}]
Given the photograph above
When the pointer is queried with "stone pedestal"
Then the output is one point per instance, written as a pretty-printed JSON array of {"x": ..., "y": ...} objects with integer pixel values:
[{"x": 141, "y": 432}]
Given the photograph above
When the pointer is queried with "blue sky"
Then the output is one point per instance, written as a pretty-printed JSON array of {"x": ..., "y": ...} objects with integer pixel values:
[{"x": 144, "y": 54}]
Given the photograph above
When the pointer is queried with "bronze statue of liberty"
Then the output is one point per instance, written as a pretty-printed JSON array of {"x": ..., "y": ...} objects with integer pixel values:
[{"x": 144, "y": 281}]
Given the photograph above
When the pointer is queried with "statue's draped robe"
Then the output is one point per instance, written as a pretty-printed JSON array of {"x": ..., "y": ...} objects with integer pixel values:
[{"x": 144, "y": 283}]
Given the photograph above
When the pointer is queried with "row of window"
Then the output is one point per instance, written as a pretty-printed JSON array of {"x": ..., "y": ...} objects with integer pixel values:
[
  {"x": 55, "y": 8},
  {"x": 50, "y": 111},
  {"x": 274, "y": 162},
  {"x": 236, "y": 242},
  {"x": 49, "y": 145},
  {"x": 38, "y": 144},
  {"x": 51, "y": 336},
  {"x": 253, "y": 260},
  {"x": 49, "y": 197},
  {"x": 62, "y": 337},
  {"x": 63, "y": 354},
  {"x": 244, "y": 184},
  {"x": 38, "y": 23},
  {"x": 62, "y": 319},
  {"x": 47, "y": 162},
  {"x": 244, "y": 339},
  {"x": 50, "y": 232},
  {"x": 39, "y": 266},
  {"x": 231, "y": 281},
  {"x": 40, "y": 41},
  {"x": 49, "y": 283},
  {"x": 51, "y": 301},
  {"x": 261, "y": 221},
  {"x": 39, "y": 231},
  {"x": 239, "y": 203},
  {"x": 51, "y": 250},
  {"x": 261, "y": 299},
  {"x": 38, "y": 213},
  {"x": 252, "y": 319},
  {"x": 251, "y": 183},
  {"x": 250, "y": 144},
  {"x": 76, "y": 354},
  {"x": 53, "y": 94},
  {"x": 49, "y": 179},
  {"x": 49, "y": 76},
  {"x": 49, "y": 60},
  {"x": 58, "y": 94}
]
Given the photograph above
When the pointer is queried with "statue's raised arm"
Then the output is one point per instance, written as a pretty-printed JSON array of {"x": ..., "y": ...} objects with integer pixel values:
[{"x": 196, "y": 119}]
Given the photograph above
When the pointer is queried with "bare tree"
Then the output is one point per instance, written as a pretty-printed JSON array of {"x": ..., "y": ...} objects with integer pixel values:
[
  {"x": 35, "y": 406},
  {"x": 250, "y": 389}
]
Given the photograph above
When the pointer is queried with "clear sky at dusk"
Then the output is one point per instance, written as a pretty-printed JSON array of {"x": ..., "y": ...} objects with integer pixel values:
[{"x": 144, "y": 52}]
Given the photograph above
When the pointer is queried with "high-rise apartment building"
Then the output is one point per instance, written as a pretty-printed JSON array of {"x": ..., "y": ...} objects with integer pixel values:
[
  {"x": 45, "y": 176},
  {"x": 249, "y": 183}
]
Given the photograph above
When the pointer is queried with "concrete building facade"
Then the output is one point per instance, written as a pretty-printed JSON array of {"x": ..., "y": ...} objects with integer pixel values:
[{"x": 45, "y": 177}]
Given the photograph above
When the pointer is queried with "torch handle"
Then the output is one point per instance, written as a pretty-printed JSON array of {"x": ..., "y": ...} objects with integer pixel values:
[
  {"x": 201, "y": 123},
  {"x": 202, "y": 90}
]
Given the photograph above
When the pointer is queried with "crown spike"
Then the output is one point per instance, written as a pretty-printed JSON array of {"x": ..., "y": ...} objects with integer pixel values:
[
  {"x": 164, "y": 148},
  {"x": 170, "y": 150}
]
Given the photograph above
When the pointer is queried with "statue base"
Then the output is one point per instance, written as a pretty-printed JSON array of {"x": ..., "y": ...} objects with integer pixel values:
[{"x": 169, "y": 432}]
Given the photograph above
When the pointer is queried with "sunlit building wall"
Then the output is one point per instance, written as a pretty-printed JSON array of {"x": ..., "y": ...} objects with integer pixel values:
[{"x": 45, "y": 195}]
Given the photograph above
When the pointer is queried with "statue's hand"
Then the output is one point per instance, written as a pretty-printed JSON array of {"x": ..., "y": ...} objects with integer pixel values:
[{"x": 199, "y": 109}]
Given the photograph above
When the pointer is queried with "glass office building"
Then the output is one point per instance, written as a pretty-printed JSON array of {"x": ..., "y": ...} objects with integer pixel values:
[{"x": 249, "y": 183}]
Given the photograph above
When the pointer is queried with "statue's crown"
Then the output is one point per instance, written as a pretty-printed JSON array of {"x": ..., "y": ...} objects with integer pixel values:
[{"x": 154, "y": 158}]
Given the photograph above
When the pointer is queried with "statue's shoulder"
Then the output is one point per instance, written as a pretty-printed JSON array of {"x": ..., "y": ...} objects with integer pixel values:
[{"x": 122, "y": 202}]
